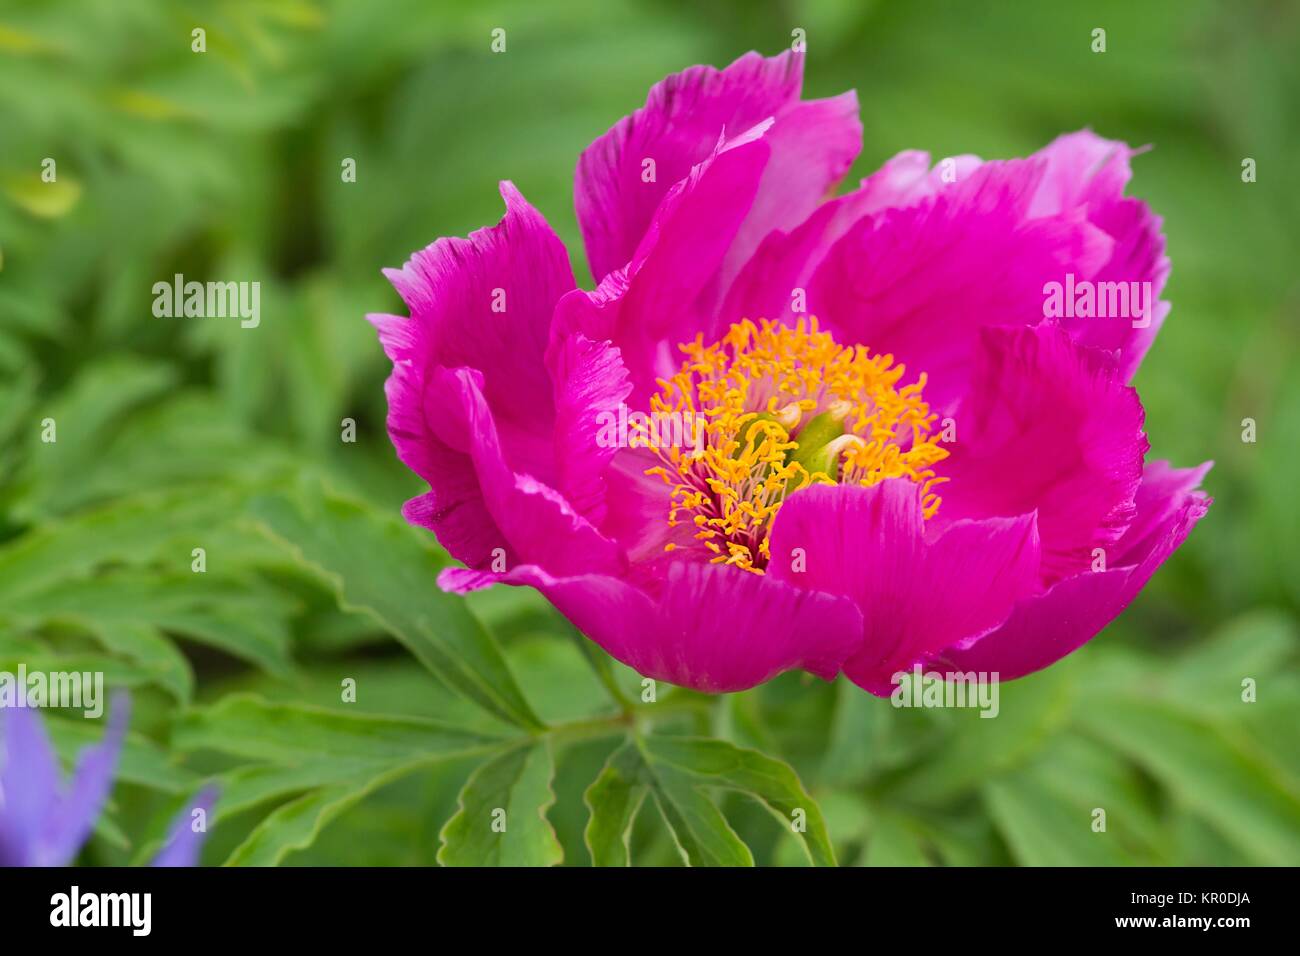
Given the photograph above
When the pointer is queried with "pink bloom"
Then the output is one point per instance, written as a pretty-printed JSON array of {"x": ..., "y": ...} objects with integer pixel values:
[{"x": 896, "y": 450}]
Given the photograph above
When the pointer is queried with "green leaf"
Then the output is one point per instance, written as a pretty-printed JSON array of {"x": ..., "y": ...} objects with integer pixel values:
[
  {"x": 602, "y": 665},
  {"x": 678, "y": 772},
  {"x": 337, "y": 757},
  {"x": 613, "y": 800},
  {"x": 558, "y": 683},
  {"x": 132, "y": 530},
  {"x": 247, "y": 621},
  {"x": 297, "y": 824},
  {"x": 1030, "y": 712},
  {"x": 116, "y": 673},
  {"x": 253, "y": 784},
  {"x": 705, "y": 762},
  {"x": 46, "y": 200},
  {"x": 86, "y": 415},
  {"x": 145, "y": 646},
  {"x": 378, "y": 565},
  {"x": 895, "y": 841},
  {"x": 141, "y": 761},
  {"x": 17, "y": 395},
  {"x": 1255, "y": 645},
  {"x": 511, "y": 791},
  {"x": 1208, "y": 769},
  {"x": 700, "y": 832},
  {"x": 189, "y": 440},
  {"x": 293, "y": 734},
  {"x": 857, "y": 735},
  {"x": 1044, "y": 829}
]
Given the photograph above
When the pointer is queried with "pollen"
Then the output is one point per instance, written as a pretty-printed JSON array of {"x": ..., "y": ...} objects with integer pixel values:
[{"x": 773, "y": 408}]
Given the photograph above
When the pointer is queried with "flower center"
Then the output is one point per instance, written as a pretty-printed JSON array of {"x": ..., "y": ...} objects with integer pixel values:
[{"x": 771, "y": 409}]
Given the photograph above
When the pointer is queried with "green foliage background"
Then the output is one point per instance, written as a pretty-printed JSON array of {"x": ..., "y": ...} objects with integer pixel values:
[{"x": 177, "y": 434}]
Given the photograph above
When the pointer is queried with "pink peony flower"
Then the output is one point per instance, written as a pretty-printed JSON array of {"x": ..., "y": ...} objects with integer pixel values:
[{"x": 785, "y": 431}]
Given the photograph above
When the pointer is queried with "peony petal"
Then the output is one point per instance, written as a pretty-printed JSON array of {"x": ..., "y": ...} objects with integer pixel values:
[
  {"x": 539, "y": 525},
  {"x": 785, "y": 261},
  {"x": 766, "y": 286},
  {"x": 486, "y": 302},
  {"x": 1081, "y": 169},
  {"x": 921, "y": 281},
  {"x": 1086, "y": 171},
  {"x": 591, "y": 389},
  {"x": 917, "y": 595},
  {"x": 1043, "y": 629},
  {"x": 908, "y": 179},
  {"x": 453, "y": 508},
  {"x": 655, "y": 304},
  {"x": 712, "y": 628},
  {"x": 813, "y": 144},
  {"x": 1163, "y": 492},
  {"x": 638, "y": 508},
  {"x": 1137, "y": 264},
  {"x": 1048, "y": 428},
  {"x": 450, "y": 288},
  {"x": 457, "y": 514}
]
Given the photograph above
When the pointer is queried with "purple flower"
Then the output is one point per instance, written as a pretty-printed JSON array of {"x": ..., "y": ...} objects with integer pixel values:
[
  {"x": 852, "y": 434},
  {"x": 43, "y": 822}
]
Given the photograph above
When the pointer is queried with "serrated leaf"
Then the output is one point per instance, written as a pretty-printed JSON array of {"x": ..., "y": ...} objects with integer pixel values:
[
  {"x": 292, "y": 734},
  {"x": 338, "y": 758},
  {"x": 116, "y": 673},
  {"x": 251, "y": 785},
  {"x": 188, "y": 440},
  {"x": 613, "y": 801},
  {"x": 295, "y": 825},
  {"x": 501, "y": 820},
  {"x": 706, "y": 762},
  {"x": 131, "y": 530},
  {"x": 678, "y": 772},
  {"x": 86, "y": 416},
  {"x": 699, "y": 829},
  {"x": 145, "y": 646},
  {"x": 246, "y": 621},
  {"x": 377, "y": 566}
]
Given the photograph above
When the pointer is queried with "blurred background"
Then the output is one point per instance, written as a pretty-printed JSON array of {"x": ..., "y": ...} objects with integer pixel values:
[{"x": 226, "y": 165}]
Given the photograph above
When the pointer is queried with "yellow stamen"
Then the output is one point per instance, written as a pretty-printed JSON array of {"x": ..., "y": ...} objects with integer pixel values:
[{"x": 749, "y": 395}]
